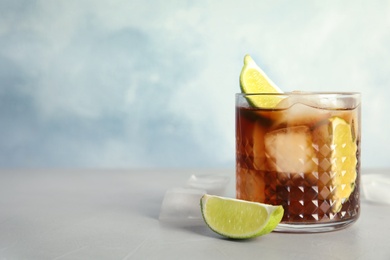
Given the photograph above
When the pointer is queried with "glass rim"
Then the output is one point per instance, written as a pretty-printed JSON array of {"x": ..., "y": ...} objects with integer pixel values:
[{"x": 303, "y": 93}]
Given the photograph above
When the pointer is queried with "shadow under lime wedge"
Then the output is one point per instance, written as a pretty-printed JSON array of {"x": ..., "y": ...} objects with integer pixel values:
[
  {"x": 253, "y": 80},
  {"x": 239, "y": 219}
]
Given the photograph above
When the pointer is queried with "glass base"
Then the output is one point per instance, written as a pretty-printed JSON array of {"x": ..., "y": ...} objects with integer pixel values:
[{"x": 313, "y": 227}]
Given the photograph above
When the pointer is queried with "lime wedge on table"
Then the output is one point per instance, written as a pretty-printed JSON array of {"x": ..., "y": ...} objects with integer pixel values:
[
  {"x": 239, "y": 219},
  {"x": 254, "y": 80}
]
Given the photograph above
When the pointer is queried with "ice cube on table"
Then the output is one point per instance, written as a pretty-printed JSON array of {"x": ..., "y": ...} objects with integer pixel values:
[
  {"x": 290, "y": 150},
  {"x": 376, "y": 188},
  {"x": 213, "y": 184},
  {"x": 181, "y": 206}
]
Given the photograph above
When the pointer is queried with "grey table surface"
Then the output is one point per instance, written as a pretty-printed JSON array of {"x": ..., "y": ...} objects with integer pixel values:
[{"x": 113, "y": 214}]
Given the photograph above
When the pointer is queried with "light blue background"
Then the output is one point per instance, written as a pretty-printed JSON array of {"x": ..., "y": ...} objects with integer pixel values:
[{"x": 132, "y": 84}]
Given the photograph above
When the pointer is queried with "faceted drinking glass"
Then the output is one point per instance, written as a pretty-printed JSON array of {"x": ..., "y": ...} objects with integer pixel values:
[{"x": 303, "y": 154}]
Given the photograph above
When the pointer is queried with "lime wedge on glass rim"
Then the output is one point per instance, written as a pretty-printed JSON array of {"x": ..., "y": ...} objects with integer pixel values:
[
  {"x": 239, "y": 219},
  {"x": 253, "y": 80}
]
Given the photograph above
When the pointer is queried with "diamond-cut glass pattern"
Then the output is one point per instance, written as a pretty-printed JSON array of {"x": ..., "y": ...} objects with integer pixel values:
[{"x": 306, "y": 191}]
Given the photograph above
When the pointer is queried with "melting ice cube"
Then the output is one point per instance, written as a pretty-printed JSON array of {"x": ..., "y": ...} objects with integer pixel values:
[
  {"x": 324, "y": 101},
  {"x": 290, "y": 150},
  {"x": 211, "y": 183},
  {"x": 181, "y": 206},
  {"x": 300, "y": 111},
  {"x": 376, "y": 187}
]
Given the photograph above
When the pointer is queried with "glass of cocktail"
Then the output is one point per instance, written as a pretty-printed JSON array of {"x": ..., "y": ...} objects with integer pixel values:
[{"x": 300, "y": 150}]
